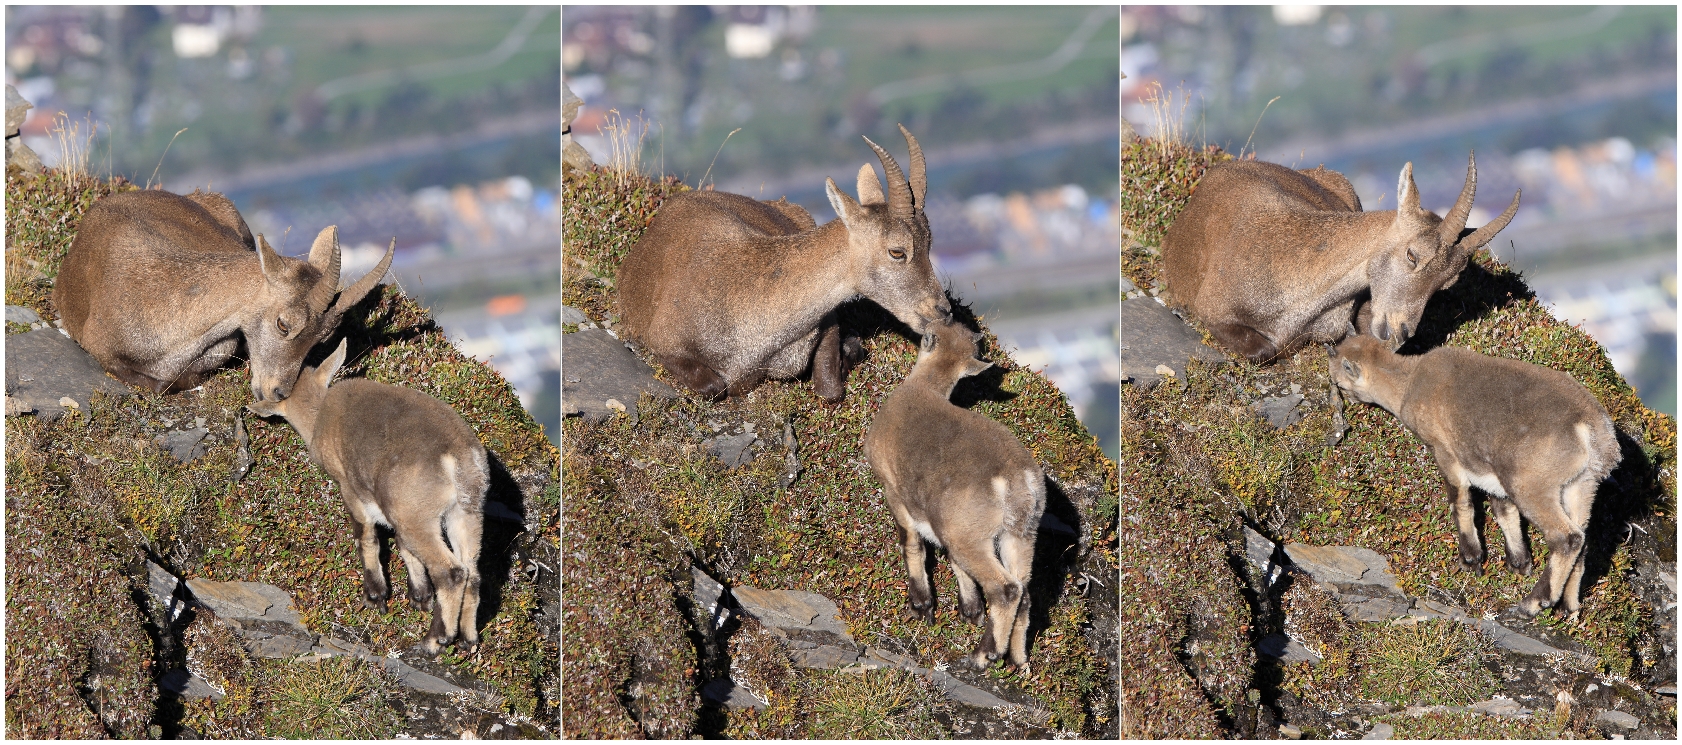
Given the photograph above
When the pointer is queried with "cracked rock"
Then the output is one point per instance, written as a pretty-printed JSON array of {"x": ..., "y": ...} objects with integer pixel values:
[
  {"x": 598, "y": 368},
  {"x": 1279, "y": 411},
  {"x": 731, "y": 450},
  {"x": 185, "y": 445}
]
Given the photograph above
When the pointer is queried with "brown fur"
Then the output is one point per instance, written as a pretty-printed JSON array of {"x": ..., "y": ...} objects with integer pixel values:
[
  {"x": 1271, "y": 259},
  {"x": 1532, "y": 438},
  {"x": 960, "y": 480},
  {"x": 725, "y": 290},
  {"x": 407, "y": 461},
  {"x": 161, "y": 287}
]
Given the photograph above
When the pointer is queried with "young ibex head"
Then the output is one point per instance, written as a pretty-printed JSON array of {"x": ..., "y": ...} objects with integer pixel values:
[
  {"x": 891, "y": 235},
  {"x": 1424, "y": 254},
  {"x": 300, "y": 306},
  {"x": 948, "y": 355}
]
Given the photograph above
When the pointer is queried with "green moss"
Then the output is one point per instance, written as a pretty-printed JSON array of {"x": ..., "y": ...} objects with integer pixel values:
[
  {"x": 829, "y": 531},
  {"x": 97, "y": 474}
]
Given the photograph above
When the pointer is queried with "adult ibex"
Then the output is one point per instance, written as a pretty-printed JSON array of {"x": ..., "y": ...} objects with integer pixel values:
[
  {"x": 960, "y": 480},
  {"x": 406, "y": 461},
  {"x": 160, "y": 287},
  {"x": 1271, "y": 259},
  {"x": 725, "y": 290},
  {"x": 1533, "y": 438}
]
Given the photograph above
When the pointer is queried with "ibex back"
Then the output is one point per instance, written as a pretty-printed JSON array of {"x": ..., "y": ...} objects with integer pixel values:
[
  {"x": 407, "y": 461},
  {"x": 724, "y": 290},
  {"x": 960, "y": 480},
  {"x": 1533, "y": 438},
  {"x": 1271, "y": 259},
  {"x": 160, "y": 287}
]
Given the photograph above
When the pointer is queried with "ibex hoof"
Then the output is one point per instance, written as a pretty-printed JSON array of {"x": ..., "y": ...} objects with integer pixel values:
[
  {"x": 373, "y": 603},
  {"x": 973, "y": 616},
  {"x": 466, "y": 647},
  {"x": 1524, "y": 569},
  {"x": 1527, "y": 609},
  {"x": 431, "y": 647},
  {"x": 978, "y": 662},
  {"x": 1475, "y": 567},
  {"x": 421, "y": 605}
]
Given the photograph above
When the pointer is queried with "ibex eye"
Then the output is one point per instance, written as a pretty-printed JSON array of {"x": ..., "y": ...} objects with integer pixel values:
[
  {"x": 1413, "y": 258},
  {"x": 898, "y": 254},
  {"x": 280, "y": 324}
]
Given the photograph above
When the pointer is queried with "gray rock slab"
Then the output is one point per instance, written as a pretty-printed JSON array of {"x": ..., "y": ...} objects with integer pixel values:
[
  {"x": 416, "y": 679},
  {"x": 20, "y": 314},
  {"x": 1499, "y": 707},
  {"x": 824, "y": 656},
  {"x": 1344, "y": 565},
  {"x": 162, "y": 586},
  {"x": 1361, "y": 608},
  {"x": 45, "y": 366},
  {"x": 1261, "y": 552},
  {"x": 966, "y": 694},
  {"x": 1513, "y": 641},
  {"x": 1286, "y": 649},
  {"x": 186, "y": 445},
  {"x": 596, "y": 367},
  {"x": 571, "y": 315},
  {"x": 275, "y": 646},
  {"x": 1152, "y": 335},
  {"x": 1433, "y": 609},
  {"x": 1279, "y": 411},
  {"x": 805, "y": 616},
  {"x": 1617, "y": 719},
  {"x": 17, "y": 110},
  {"x": 1380, "y": 731},
  {"x": 188, "y": 685},
  {"x": 1666, "y": 690},
  {"x": 21, "y": 157},
  {"x": 709, "y": 595},
  {"x": 731, "y": 450},
  {"x": 726, "y": 691}
]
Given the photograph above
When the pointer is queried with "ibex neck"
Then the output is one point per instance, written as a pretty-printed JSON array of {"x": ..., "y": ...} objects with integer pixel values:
[
  {"x": 809, "y": 270},
  {"x": 1393, "y": 375},
  {"x": 931, "y": 379}
]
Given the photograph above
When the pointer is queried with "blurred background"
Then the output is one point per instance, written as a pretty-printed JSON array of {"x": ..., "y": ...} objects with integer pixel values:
[
  {"x": 439, "y": 126},
  {"x": 1575, "y": 105},
  {"x": 1015, "y": 109}
]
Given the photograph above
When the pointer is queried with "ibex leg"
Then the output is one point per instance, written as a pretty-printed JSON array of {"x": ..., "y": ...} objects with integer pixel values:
[
  {"x": 920, "y": 602},
  {"x": 1565, "y": 542},
  {"x": 829, "y": 367},
  {"x": 1246, "y": 341},
  {"x": 1004, "y": 594},
  {"x": 1578, "y": 501},
  {"x": 450, "y": 579},
  {"x": 1017, "y": 555},
  {"x": 375, "y": 591},
  {"x": 1512, "y": 533},
  {"x": 464, "y": 531},
  {"x": 1459, "y": 494},
  {"x": 695, "y": 375}
]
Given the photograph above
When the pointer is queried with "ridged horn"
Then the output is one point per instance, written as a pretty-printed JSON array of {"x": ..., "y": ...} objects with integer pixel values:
[
  {"x": 353, "y": 294},
  {"x": 919, "y": 172},
  {"x": 1455, "y": 220},
  {"x": 899, "y": 192},
  {"x": 1482, "y": 236}
]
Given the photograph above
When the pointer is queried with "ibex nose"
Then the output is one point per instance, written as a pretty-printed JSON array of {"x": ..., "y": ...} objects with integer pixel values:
[
  {"x": 1382, "y": 330},
  {"x": 275, "y": 391},
  {"x": 1406, "y": 333}
]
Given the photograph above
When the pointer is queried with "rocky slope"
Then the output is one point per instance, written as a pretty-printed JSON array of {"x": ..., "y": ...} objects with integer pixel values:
[
  {"x": 111, "y": 500},
  {"x": 1291, "y": 587},
  {"x": 731, "y": 568}
]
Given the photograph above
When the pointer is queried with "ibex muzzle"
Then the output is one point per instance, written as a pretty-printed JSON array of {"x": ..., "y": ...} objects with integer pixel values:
[
  {"x": 1532, "y": 438},
  {"x": 959, "y": 480},
  {"x": 160, "y": 288},
  {"x": 1271, "y": 259},
  {"x": 406, "y": 461},
  {"x": 725, "y": 290}
]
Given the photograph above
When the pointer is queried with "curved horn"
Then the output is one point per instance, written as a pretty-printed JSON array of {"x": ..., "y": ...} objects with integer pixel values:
[
  {"x": 324, "y": 255},
  {"x": 353, "y": 294},
  {"x": 1455, "y": 220},
  {"x": 1485, "y": 234},
  {"x": 919, "y": 173},
  {"x": 899, "y": 192}
]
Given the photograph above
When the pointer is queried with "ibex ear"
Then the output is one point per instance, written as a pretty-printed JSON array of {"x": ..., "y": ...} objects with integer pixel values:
[
  {"x": 1407, "y": 195},
  {"x": 844, "y": 206},
  {"x": 976, "y": 367},
  {"x": 324, "y": 254},
  {"x": 268, "y": 260},
  {"x": 929, "y": 342},
  {"x": 331, "y": 365},
  {"x": 870, "y": 188}
]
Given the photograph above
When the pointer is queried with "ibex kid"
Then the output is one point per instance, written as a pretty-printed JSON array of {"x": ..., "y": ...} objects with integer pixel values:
[
  {"x": 160, "y": 288},
  {"x": 1271, "y": 259},
  {"x": 725, "y": 290},
  {"x": 406, "y": 461},
  {"x": 1532, "y": 438},
  {"x": 962, "y": 481}
]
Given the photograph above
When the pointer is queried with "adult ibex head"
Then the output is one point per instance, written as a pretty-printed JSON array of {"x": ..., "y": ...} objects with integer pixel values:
[
  {"x": 1271, "y": 259},
  {"x": 1421, "y": 254},
  {"x": 160, "y": 287},
  {"x": 725, "y": 290}
]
